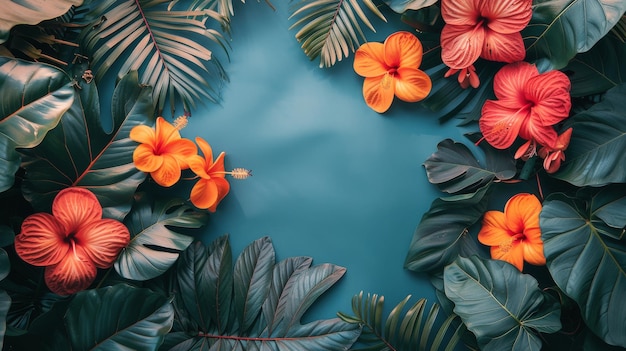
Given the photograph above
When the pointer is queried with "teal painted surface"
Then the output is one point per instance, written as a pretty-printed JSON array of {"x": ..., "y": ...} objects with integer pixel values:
[{"x": 332, "y": 179}]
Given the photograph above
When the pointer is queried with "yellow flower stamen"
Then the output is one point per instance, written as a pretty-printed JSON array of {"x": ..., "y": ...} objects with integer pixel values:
[
  {"x": 180, "y": 122},
  {"x": 238, "y": 173}
]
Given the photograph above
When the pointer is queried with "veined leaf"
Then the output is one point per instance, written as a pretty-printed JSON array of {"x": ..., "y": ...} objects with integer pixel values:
[
  {"x": 78, "y": 152},
  {"x": 597, "y": 148},
  {"x": 30, "y": 12},
  {"x": 118, "y": 317},
  {"x": 155, "y": 244},
  {"x": 559, "y": 29},
  {"x": 585, "y": 253},
  {"x": 503, "y": 307},
  {"x": 331, "y": 29},
  {"x": 34, "y": 97},
  {"x": 400, "y": 6}
]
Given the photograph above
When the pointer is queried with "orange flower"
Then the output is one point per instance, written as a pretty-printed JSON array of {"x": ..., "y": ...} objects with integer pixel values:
[
  {"x": 482, "y": 28},
  {"x": 162, "y": 152},
  {"x": 552, "y": 157},
  {"x": 212, "y": 186},
  {"x": 391, "y": 69},
  {"x": 515, "y": 236},
  {"x": 72, "y": 242},
  {"x": 529, "y": 105}
]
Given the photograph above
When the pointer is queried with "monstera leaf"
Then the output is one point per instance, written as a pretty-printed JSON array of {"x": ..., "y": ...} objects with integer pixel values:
[
  {"x": 504, "y": 308},
  {"x": 258, "y": 304},
  {"x": 80, "y": 153},
  {"x": 585, "y": 253},
  {"x": 559, "y": 29},
  {"x": 442, "y": 234},
  {"x": 30, "y": 12},
  {"x": 597, "y": 149},
  {"x": 155, "y": 244},
  {"x": 118, "y": 317},
  {"x": 34, "y": 97}
]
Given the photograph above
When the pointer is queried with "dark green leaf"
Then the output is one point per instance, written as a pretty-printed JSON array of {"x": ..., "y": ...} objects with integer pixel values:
[
  {"x": 78, "y": 152},
  {"x": 155, "y": 243},
  {"x": 30, "y": 12},
  {"x": 503, "y": 307},
  {"x": 598, "y": 144},
  {"x": 5, "y": 299},
  {"x": 34, "y": 97},
  {"x": 442, "y": 234},
  {"x": 586, "y": 256},
  {"x": 400, "y": 6},
  {"x": 118, "y": 317}
]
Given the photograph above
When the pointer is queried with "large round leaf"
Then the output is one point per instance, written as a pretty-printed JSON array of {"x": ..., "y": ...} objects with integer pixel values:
[
  {"x": 118, "y": 317},
  {"x": 34, "y": 97},
  {"x": 30, "y": 12},
  {"x": 597, "y": 149},
  {"x": 503, "y": 307},
  {"x": 586, "y": 255}
]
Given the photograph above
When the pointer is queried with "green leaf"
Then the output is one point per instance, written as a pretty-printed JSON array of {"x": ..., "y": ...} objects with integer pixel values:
[
  {"x": 5, "y": 299},
  {"x": 30, "y": 12},
  {"x": 118, "y": 317},
  {"x": 442, "y": 233},
  {"x": 504, "y": 308},
  {"x": 330, "y": 29},
  {"x": 559, "y": 29},
  {"x": 596, "y": 150},
  {"x": 400, "y": 6},
  {"x": 402, "y": 330},
  {"x": 34, "y": 97},
  {"x": 80, "y": 153},
  {"x": 454, "y": 169},
  {"x": 155, "y": 243},
  {"x": 585, "y": 253}
]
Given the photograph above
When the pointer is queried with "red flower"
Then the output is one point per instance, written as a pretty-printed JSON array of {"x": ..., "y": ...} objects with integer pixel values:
[
  {"x": 529, "y": 105},
  {"x": 553, "y": 156},
  {"x": 72, "y": 242}
]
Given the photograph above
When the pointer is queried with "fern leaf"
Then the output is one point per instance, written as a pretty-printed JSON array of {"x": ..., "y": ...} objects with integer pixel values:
[{"x": 331, "y": 29}]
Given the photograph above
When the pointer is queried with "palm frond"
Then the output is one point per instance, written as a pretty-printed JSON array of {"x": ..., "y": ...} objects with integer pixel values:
[
  {"x": 416, "y": 329},
  {"x": 168, "y": 48},
  {"x": 331, "y": 29},
  {"x": 619, "y": 30},
  {"x": 223, "y": 7}
]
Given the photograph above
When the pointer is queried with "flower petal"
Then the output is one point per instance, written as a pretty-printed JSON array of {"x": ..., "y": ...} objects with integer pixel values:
[
  {"x": 550, "y": 93},
  {"x": 461, "y": 45},
  {"x": 379, "y": 92},
  {"x": 513, "y": 254},
  {"x": 73, "y": 274},
  {"x": 169, "y": 172},
  {"x": 204, "y": 193},
  {"x": 102, "y": 241},
  {"x": 543, "y": 135},
  {"x": 510, "y": 81},
  {"x": 522, "y": 213},
  {"x": 75, "y": 207},
  {"x": 460, "y": 12},
  {"x": 143, "y": 135},
  {"x": 369, "y": 60},
  {"x": 182, "y": 150},
  {"x": 412, "y": 85},
  {"x": 403, "y": 49},
  {"x": 197, "y": 164},
  {"x": 206, "y": 149},
  {"x": 499, "y": 124},
  {"x": 507, "y": 16},
  {"x": 503, "y": 47},
  {"x": 41, "y": 240},
  {"x": 166, "y": 132},
  {"x": 494, "y": 230},
  {"x": 145, "y": 159},
  {"x": 223, "y": 187},
  {"x": 533, "y": 254},
  {"x": 217, "y": 168}
]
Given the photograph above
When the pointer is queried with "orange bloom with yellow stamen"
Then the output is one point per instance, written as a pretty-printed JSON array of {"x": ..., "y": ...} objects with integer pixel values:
[
  {"x": 212, "y": 186},
  {"x": 162, "y": 151},
  {"x": 391, "y": 69},
  {"x": 514, "y": 235},
  {"x": 72, "y": 242}
]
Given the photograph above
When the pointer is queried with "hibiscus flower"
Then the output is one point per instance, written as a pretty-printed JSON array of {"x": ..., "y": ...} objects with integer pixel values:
[
  {"x": 72, "y": 242},
  {"x": 212, "y": 186},
  {"x": 162, "y": 151},
  {"x": 553, "y": 156},
  {"x": 514, "y": 235},
  {"x": 529, "y": 105},
  {"x": 391, "y": 69},
  {"x": 482, "y": 28}
]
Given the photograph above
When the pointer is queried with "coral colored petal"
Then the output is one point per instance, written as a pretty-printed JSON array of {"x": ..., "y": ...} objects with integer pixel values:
[
  {"x": 512, "y": 254},
  {"x": 74, "y": 207},
  {"x": 510, "y": 81},
  {"x": 522, "y": 212},
  {"x": 181, "y": 149},
  {"x": 169, "y": 172},
  {"x": 460, "y": 12},
  {"x": 499, "y": 124},
  {"x": 206, "y": 149},
  {"x": 41, "y": 240},
  {"x": 403, "y": 49},
  {"x": 217, "y": 168},
  {"x": 166, "y": 132},
  {"x": 503, "y": 47},
  {"x": 73, "y": 274},
  {"x": 507, "y": 16},
  {"x": 533, "y": 254},
  {"x": 412, "y": 85},
  {"x": 143, "y": 134},
  {"x": 494, "y": 230},
  {"x": 379, "y": 92},
  {"x": 198, "y": 165},
  {"x": 204, "y": 193},
  {"x": 545, "y": 136},
  {"x": 102, "y": 241},
  {"x": 223, "y": 187},
  {"x": 369, "y": 60},
  {"x": 552, "y": 162},
  {"x": 550, "y": 93},
  {"x": 145, "y": 160},
  {"x": 461, "y": 45}
]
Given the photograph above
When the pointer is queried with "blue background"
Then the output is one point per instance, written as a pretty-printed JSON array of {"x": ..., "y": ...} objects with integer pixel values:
[{"x": 332, "y": 179}]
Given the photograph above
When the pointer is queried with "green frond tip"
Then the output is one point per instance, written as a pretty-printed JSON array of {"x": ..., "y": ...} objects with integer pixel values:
[
  {"x": 331, "y": 29},
  {"x": 415, "y": 328}
]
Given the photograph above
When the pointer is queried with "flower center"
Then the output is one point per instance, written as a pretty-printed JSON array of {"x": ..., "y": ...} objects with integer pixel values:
[
  {"x": 71, "y": 239},
  {"x": 507, "y": 244}
]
